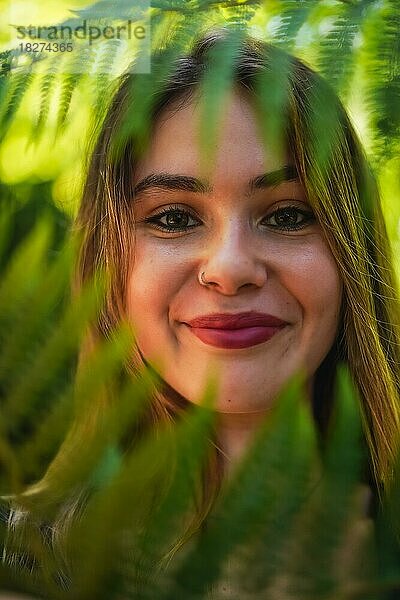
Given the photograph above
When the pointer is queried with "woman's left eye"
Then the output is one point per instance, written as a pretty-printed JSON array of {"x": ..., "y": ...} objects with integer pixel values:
[
  {"x": 289, "y": 218},
  {"x": 173, "y": 219}
]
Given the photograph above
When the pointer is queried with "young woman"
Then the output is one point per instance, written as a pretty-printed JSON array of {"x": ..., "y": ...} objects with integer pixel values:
[
  {"x": 250, "y": 267},
  {"x": 289, "y": 252}
]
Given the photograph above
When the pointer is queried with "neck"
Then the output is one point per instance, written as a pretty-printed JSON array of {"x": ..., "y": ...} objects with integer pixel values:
[{"x": 235, "y": 432}]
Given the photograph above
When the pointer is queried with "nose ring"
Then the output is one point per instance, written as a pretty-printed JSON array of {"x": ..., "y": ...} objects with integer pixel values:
[{"x": 202, "y": 280}]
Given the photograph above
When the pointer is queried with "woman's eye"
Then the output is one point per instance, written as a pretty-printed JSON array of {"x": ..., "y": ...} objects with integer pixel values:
[
  {"x": 289, "y": 218},
  {"x": 173, "y": 219}
]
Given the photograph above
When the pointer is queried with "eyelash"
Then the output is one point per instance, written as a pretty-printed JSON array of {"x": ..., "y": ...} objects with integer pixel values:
[{"x": 155, "y": 220}]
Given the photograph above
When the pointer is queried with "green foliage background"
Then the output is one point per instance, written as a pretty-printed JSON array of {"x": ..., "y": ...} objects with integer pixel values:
[{"x": 48, "y": 113}]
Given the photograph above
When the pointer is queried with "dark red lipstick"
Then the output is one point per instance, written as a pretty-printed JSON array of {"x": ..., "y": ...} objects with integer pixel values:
[{"x": 235, "y": 331}]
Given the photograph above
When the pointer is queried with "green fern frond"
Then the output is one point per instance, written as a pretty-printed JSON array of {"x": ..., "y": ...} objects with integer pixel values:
[
  {"x": 33, "y": 313},
  {"x": 74, "y": 69},
  {"x": 16, "y": 84},
  {"x": 68, "y": 86},
  {"x": 157, "y": 545},
  {"x": 322, "y": 527},
  {"x": 48, "y": 427},
  {"x": 240, "y": 14},
  {"x": 18, "y": 280},
  {"x": 239, "y": 516},
  {"x": 262, "y": 562},
  {"x": 107, "y": 9},
  {"x": 46, "y": 88},
  {"x": 272, "y": 107},
  {"x": 103, "y": 79},
  {"x": 337, "y": 57},
  {"x": 5, "y": 62},
  {"x": 336, "y": 48},
  {"x": 143, "y": 94},
  {"x": 381, "y": 63},
  {"x": 43, "y": 367},
  {"x": 292, "y": 16},
  {"x": 214, "y": 87}
]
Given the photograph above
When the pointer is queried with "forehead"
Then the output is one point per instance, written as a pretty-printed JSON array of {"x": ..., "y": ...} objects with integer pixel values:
[{"x": 238, "y": 154}]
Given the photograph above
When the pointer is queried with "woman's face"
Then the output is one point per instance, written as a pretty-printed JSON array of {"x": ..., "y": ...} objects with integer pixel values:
[{"x": 270, "y": 297}]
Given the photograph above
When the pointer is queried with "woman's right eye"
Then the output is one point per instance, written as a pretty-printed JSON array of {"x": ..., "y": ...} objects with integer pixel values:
[{"x": 173, "y": 219}]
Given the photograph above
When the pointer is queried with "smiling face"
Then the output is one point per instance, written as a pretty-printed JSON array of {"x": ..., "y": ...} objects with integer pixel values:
[{"x": 232, "y": 274}]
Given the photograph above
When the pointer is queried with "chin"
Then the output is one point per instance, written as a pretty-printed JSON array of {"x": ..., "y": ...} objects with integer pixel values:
[{"x": 235, "y": 398}]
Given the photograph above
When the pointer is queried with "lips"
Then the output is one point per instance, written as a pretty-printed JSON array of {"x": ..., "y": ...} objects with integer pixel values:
[
  {"x": 236, "y": 321},
  {"x": 235, "y": 331}
]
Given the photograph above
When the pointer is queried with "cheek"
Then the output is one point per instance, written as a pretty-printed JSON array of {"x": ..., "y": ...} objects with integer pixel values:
[
  {"x": 144, "y": 307},
  {"x": 317, "y": 286},
  {"x": 155, "y": 278}
]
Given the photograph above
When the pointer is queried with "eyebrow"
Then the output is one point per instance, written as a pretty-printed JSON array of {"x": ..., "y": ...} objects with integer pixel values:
[
  {"x": 268, "y": 180},
  {"x": 169, "y": 181}
]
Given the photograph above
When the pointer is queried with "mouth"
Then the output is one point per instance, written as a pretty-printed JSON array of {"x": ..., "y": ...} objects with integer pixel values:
[
  {"x": 235, "y": 331},
  {"x": 234, "y": 339}
]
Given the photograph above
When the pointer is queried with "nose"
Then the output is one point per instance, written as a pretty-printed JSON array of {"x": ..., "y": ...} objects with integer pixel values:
[{"x": 233, "y": 261}]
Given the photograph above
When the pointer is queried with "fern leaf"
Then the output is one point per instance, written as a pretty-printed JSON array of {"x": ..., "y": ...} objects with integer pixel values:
[
  {"x": 330, "y": 509},
  {"x": 143, "y": 95},
  {"x": 46, "y": 88},
  {"x": 263, "y": 560},
  {"x": 102, "y": 80},
  {"x": 381, "y": 62},
  {"x": 337, "y": 57},
  {"x": 68, "y": 87},
  {"x": 215, "y": 85},
  {"x": 239, "y": 516},
  {"x": 19, "y": 80},
  {"x": 292, "y": 16},
  {"x": 46, "y": 364},
  {"x": 18, "y": 280},
  {"x": 34, "y": 314},
  {"x": 159, "y": 538}
]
